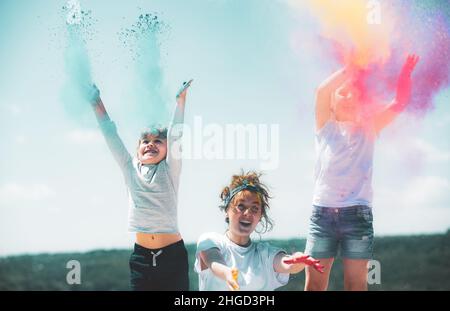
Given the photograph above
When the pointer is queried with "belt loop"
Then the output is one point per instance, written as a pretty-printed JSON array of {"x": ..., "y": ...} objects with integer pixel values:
[{"x": 156, "y": 255}]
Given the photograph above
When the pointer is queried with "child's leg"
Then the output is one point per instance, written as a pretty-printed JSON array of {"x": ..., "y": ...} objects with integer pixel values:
[
  {"x": 355, "y": 274},
  {"x": 322, "y": 243},
  {"x": 140, "y": 270},
  {"x": 357, "y": 246},
  {"x": 316, "y": 281},
  {"x": 174, "y": 269}
]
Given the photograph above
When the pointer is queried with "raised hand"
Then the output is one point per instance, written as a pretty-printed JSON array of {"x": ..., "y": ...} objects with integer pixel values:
[
  {"x": 181, "y": 95},
  {"x": 404, "y": 80},
  {"x": 409, "y": 65},
  {"x": 305, "y": 259},
  {"x": 91, "y": 94}
]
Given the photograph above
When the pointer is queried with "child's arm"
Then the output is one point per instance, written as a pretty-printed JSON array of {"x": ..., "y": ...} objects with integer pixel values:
[
  {"x": 97, "y": 104},
  {"x": 178, "y": 116},
  {"x": 175, "y": 133},
  {"x": 324, "y": 95},
  {"x": 402, "y": 97},
  {"x": 108, "y": 129},
  {"x": 213, "y": 259},
  {"x": 294, "y": 263}
]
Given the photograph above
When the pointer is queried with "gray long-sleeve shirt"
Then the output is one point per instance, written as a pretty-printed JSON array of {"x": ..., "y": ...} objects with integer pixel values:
[{"x": 152, "y": 188}]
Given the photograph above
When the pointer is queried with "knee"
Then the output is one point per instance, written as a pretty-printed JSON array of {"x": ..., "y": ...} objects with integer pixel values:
[
  {"x": 355, "y": 284},
  {"x": 316, "y": 285}
]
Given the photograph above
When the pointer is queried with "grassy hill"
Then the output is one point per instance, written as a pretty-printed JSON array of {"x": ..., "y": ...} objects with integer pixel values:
[{"x": 419, "y": 262}]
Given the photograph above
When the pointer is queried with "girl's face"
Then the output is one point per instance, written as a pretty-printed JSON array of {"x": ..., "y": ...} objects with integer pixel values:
[
  {"x": 244, "y": 214},
  {"x": 346, "y": 103},
  {"x": 152, "y": 150}
]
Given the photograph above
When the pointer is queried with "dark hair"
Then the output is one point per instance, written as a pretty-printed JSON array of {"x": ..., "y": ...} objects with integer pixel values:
[{"x": 251, "y": 179}]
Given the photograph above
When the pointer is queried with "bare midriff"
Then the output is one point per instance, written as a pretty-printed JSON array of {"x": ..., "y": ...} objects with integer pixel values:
[{"x": 156, "y": 240}]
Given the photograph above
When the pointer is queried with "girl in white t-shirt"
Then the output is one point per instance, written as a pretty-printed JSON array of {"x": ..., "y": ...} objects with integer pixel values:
[{"x": 231, "y": 261}]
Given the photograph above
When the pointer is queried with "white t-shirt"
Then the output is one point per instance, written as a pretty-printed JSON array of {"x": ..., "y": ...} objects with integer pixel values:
[
  {"x": 343, "y": 172},
  {"x": 254, "y": 262}
]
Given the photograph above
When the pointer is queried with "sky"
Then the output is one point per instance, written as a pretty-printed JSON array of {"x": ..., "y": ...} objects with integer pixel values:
[{"x": 60, "y": 189}]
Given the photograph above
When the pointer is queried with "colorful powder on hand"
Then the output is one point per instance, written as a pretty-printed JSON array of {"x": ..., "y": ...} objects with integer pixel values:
[
  {"x": 150, "y": 95},
  {"x": 379, "y": 44},
  {"x": 76, "y": 62}
]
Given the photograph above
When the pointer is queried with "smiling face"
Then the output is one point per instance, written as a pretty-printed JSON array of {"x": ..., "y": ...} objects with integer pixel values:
[
  {"x": 244, "y": 214},
  {"x": 152, "y": 149}
]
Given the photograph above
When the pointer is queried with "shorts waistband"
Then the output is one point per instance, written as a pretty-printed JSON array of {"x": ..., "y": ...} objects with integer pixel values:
[{"x": 342, "y": 210}]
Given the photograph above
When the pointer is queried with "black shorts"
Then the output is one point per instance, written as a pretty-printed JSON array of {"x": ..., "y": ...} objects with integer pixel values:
[{"x": 163, "y": 269}]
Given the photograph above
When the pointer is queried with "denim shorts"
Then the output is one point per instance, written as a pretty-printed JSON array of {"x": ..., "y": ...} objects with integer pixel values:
[{"x": 348, "y": 230}]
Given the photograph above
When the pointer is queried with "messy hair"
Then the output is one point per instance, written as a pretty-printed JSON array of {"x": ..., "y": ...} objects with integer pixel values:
[
  {"x": 256, "y": 186},
  {"x": 154, "y": 130}
]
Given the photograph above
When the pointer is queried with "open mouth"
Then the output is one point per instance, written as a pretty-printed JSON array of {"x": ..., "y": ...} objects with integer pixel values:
[
  {"x": 151, "y": 152},
  {"x": 245, "y": 224}
]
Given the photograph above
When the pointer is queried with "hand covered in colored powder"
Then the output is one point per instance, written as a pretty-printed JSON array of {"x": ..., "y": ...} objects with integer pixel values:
[
  {"x": 92, "y": 94},
  {"x": 181, "y": 95},
  {"x": 307, "y": 260},
  {"x": 232, "y": 283},
  {"x": 404, "y": 80}
]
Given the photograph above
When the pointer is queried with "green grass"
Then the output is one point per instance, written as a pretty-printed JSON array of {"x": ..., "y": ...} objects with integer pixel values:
[{"x": 419, "y": 262}]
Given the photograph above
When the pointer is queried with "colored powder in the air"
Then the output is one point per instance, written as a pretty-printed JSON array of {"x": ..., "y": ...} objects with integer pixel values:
[
  {"x": 379, "y": 45},
  {"x": 77, "y": 66},
  {"x": 349, "y": 25},
  {"x": 426, "y": 27},
  {"x": 150, "y": 102},
  {"x": 423, "y": 30}
]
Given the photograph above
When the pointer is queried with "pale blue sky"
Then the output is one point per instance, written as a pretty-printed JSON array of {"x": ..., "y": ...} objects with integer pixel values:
[{"x": 60, "y": 189}]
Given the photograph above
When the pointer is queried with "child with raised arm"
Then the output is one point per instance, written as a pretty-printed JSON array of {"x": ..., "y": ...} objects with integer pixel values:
[
  {"x": 232, "y": 261},
  {"x": 159, "y": 260},
  {"x": 342, "y": 204}
]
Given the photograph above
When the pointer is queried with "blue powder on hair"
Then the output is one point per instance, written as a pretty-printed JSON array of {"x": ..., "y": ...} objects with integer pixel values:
[{"x": 150, "y": 96}]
